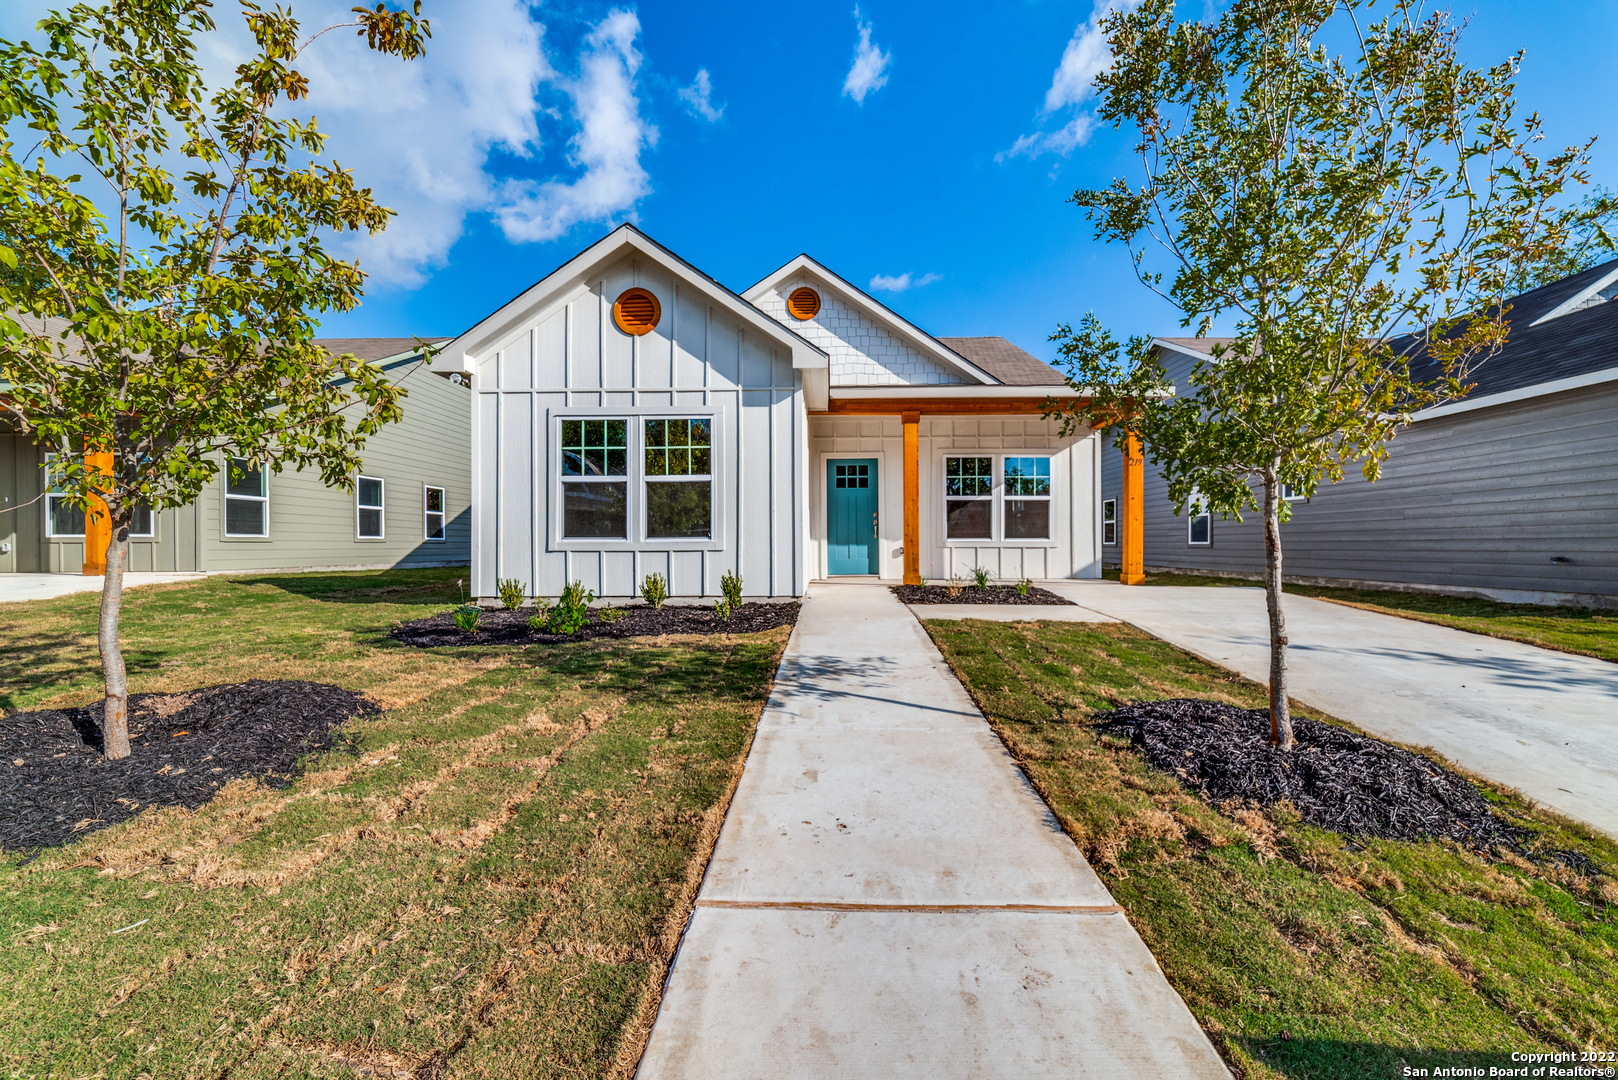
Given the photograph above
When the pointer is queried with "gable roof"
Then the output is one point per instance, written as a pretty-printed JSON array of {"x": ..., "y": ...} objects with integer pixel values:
[
  {"x": 457, "y": 354},
  {"x": 374, "y": 348},
  {"x": 1005, "y": 361},
  {"x": 877, "y": 311}
]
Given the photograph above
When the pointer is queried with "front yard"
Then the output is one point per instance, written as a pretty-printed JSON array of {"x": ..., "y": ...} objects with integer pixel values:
[
  {"x": 1567, "y": 629},
  {"x": 1303, "y": 953},
  {"x": 487, "y": 879}
]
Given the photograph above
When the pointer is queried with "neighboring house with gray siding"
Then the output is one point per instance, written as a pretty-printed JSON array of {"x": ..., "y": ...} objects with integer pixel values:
[
  {"x": 1511, "y": 492},
  {"x": 409, "y": 508}
]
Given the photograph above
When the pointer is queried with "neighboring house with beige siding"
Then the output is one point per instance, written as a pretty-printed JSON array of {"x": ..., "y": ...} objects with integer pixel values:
[
  {"x": 1511, "y": 492},
  {"x": 410, "y": 506}
]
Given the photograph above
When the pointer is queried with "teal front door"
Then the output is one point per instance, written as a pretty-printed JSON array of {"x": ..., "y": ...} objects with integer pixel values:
[{"x": 851, "y": 516}]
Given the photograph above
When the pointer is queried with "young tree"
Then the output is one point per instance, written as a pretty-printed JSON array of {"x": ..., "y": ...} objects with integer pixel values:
[
  {"x": 143, "y": 343},
  {"x": 1357, "y": 217},
  {"x": 1592, "y": 238}
]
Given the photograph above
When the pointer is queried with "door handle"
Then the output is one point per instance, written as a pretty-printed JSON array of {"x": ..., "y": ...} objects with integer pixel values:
[{"x": 873, "y": 525}]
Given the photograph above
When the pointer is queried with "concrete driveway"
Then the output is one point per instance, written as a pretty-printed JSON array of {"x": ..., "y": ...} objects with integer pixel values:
[
  {"x": 14, "y": 587},
  {"x": 1541, "y": 721}
]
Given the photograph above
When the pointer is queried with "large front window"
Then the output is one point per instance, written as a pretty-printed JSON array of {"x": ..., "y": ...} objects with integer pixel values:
[
  {"x": 1027, "y": 498},
  {"x": 679, "y": 478},
  {"x": 998, "y": 498},
  {"x": 595, "y": 479}
]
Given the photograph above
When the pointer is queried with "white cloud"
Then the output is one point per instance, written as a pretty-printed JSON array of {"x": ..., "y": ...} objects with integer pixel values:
[
  {"x": 869, "y": 73},
  {"x": 887, "y": 283},
  {"x": 1085, "y": 57},
  {"x": 697, "y": 95},
  {"x": 427, "y": 136},
  {"x": 607, "y": 147}
]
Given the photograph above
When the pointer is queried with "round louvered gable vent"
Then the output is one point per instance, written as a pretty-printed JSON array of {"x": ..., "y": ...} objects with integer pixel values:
[
  {"x": 804, "y": 303},
  {"x": 636, "y": 311}
]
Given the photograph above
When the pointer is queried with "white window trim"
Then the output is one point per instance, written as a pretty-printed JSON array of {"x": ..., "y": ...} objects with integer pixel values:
[
  {"x": 380, "y": 508},
  {"x": 152, "y": 535},
  {"x": 640, "y": 462},
  {"x": 1289, "y": 495},
  {"x": 635, "y": 519},
  {"x": 1002, "y": 497},
  {"x": 1191, "y": 519},
  {"x": 49, "y": 498},
  {"x": 997, "y": 496},
  {"x": 426, "y": 515},
  {"x": 224, "y": 524},
  {"x": 1113, "y": 503}
]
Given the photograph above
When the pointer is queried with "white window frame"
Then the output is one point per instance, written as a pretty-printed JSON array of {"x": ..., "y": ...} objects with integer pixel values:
[
  {"x": 50, "y": 499},
  {"x": 428, "y": 515},
  {"x": 720, "y": 464},
  {"x": 1002, "y": 496},
  {"x": 224, "y": 524},
  {"x": 1192, "y": 519},
  {"x": 1109, "y": 516},
  {"x": 1289, "y": 494},
  {"x": 997, "y": 495},
  {"x": 150, "y": 533},
  {"x": 640, "y": 463},
  {"x": 380, "y": 507}
]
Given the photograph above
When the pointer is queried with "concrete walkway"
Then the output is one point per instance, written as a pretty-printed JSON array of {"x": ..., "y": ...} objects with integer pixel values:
[
  {"x": 1541, "y": 721},
  {"x": 889, "y": 898},
  {"x": 15, "y": 587}
]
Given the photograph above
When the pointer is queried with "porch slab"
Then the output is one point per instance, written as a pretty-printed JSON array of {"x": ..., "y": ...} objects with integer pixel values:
[{"x": 1010, "y": 612}]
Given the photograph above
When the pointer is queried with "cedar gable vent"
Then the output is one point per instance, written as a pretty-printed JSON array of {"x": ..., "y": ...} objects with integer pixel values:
[
  {"x": 804, "y": 303},
  {"x": 636, "y": 311}
]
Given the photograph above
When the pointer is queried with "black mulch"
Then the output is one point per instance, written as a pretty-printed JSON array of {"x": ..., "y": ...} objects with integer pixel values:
[
  {"x": 1337, "y": 779},
  {"x": 503, "y": 627},
  {"x": 184, "y": 747},
  {"x": 971, "y": 594}
]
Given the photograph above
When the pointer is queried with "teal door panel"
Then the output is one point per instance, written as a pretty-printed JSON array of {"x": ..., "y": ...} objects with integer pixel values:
[{"x": 851, "y": 516}]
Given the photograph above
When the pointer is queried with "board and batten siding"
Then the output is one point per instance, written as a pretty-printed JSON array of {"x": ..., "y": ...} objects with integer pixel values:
[
  {"x": 1483, "y": 499},
  {"x": 1074, "y": 548},
  {"x": 568, "y": 359}
]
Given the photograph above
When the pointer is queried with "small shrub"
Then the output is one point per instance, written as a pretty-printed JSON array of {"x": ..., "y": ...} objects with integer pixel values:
[
  {"x": 731, "y": 586},
  {"x": 611, "y": 615},
  {"x": 1024, "y": 585},
  {"x": 512, "y": 592},
  {"x": 541, "y": 615},
  {"x": 572, "y": 610},
  {"x": 981, "y": 578},
  {"x": 654, "y": 590},
  {"x": 956, "y": 584},
  {"x": 466, "y": 617}
]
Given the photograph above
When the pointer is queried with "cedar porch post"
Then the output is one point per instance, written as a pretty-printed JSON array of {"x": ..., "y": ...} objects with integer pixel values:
[
  {"x": 97, "y": 521},
  {"x": 1133, "y": 546},
  {"x": 912, "y": 474}
]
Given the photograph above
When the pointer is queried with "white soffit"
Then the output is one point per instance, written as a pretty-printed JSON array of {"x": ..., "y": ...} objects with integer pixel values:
[
  {"x": 575, "y": 276},
  {"x": 876, "y": 310},
  {"x": 998, "y": 390},
  {"x": 1572, "y": 382}
]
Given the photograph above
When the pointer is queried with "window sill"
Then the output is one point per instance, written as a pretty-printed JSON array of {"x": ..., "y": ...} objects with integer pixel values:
[
  {"x": 245, "y": 539},
  {"x": 1002, "y": 543},
  {"x": 605, "y": 544}
]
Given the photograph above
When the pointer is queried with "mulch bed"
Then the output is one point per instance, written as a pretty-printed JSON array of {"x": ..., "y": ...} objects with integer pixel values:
[
  {"x": 1337, "y": 779},
  {"x": 971, "y": 594},
  {"x": 501, "y": 627},
  {"x": 183, "y": 749}
]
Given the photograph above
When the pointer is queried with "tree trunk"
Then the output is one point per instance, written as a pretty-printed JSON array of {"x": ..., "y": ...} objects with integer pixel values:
[
  {"x": 1280, "y": 714},
  {"x": 115, "y": 712}
]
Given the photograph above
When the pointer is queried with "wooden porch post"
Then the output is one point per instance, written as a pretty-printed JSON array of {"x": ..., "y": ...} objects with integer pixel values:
[
  {"x": 912, "y": 474},
  {"x": 1133, "y": 546},
  {"x": 97, "y": 521}
]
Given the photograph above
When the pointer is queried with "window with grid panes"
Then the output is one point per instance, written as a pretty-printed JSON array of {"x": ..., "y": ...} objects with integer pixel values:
[
  {"x": 247, "y": 502},
  {"x": 432, "y": 501},
  {"x": 595, "y": 479},
  {"x": 1027, "y": 498},
  {"x": 679, "y": 478},
  {"x": 969, "y": 498}
]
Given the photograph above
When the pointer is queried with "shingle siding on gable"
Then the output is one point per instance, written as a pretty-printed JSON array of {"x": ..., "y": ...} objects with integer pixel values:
[
  {"x": 1479, "y": 500},
  {"x": 862, "y": 353}
]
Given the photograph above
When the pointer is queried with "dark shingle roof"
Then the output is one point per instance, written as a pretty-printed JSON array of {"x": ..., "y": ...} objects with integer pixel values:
[
  {"x": 373, "y": 348},
  {"x": 1005, "y": 361}
]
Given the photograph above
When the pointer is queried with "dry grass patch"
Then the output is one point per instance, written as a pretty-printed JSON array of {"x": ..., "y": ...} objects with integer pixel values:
[{"x": 488, "y": 879}]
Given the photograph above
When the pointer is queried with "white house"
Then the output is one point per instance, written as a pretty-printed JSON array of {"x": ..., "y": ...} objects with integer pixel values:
[{"x": 630, "y": 414}]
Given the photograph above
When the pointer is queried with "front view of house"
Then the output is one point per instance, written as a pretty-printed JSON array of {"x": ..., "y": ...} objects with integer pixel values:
[{"x": 631, "y": 415}]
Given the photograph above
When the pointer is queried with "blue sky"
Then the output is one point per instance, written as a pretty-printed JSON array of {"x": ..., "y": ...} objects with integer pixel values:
[{"x": 878, "y": 141}]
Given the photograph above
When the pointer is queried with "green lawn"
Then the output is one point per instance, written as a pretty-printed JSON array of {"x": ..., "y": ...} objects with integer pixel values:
[
  {"x": 1303, "y": 953},
  {"x": 491, "y": 883},
  {"x": 1568, "y": 629}
]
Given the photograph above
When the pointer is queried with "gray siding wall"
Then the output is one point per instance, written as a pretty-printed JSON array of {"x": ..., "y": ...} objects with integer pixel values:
[
  {"x": 1478, "y": 500},
  {"x": 568, "y": 359},
  {"x": 310, "y": 525}
]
